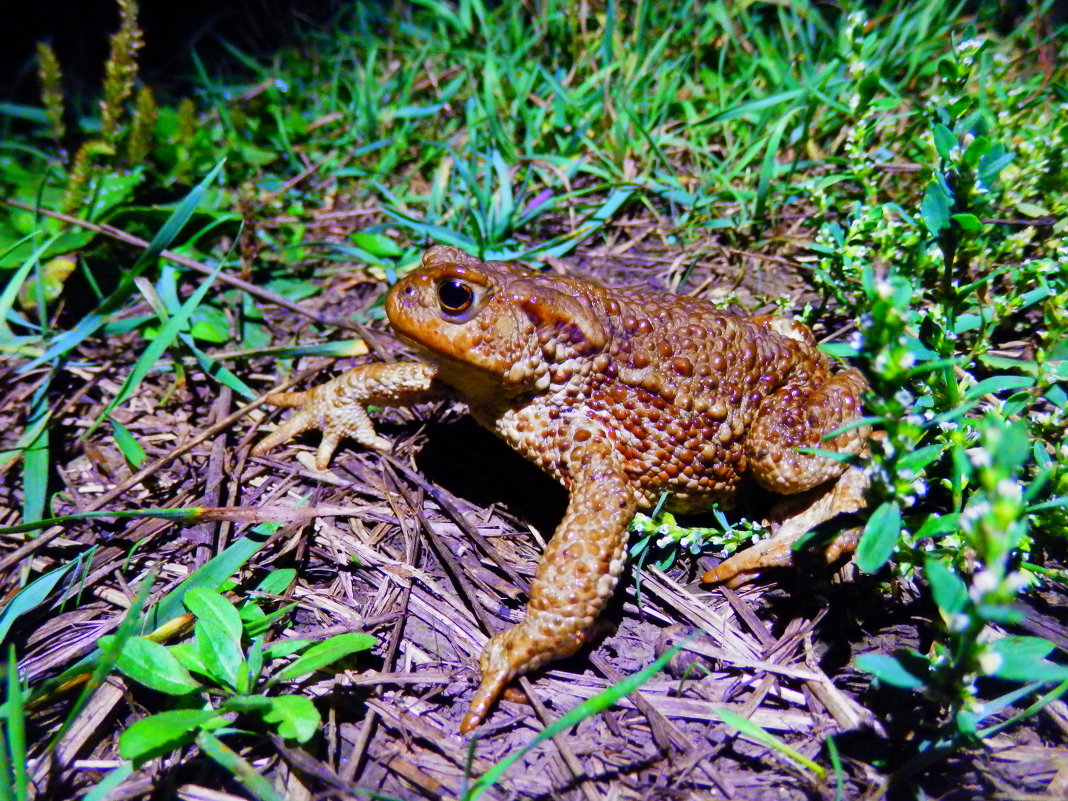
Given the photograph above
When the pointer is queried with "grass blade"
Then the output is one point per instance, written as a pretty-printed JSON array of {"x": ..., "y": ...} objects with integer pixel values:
[{"x": 91, "y": 323}]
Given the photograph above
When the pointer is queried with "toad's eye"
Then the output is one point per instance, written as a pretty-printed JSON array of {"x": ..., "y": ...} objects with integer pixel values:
[{"x": 455, "y": 296}]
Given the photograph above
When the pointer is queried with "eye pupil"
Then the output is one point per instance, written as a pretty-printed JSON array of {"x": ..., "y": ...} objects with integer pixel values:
[{"x": 455, "y": 296}]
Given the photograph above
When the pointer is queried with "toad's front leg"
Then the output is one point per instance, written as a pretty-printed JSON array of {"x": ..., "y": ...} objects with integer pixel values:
[
  {"x": 574, "y": 581},
  {"x": 337, "y": 408}
]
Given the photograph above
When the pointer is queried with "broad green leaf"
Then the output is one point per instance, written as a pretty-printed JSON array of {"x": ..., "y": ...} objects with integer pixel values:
[
  {"x": 216, "y": 571},
  {"x": 188, "y": 655},
  {"x": 325, "y": 653},
  {"x": 917, "y": 460},
  {"x": 975, "y": 151},
  {"x": 154, "y": 666},
  {"x": 294, "y": 716},
  {"x": 937, "y": 524},
  {"x": 213, "y": 608},
  {"x": 880, "y": 537},
  {"x": 281, "y": 648},
  {"x": 1032, "y": 210},
  {"x": 158, "y": 735},
  {"x": 218, "y": 633},
  {"x": 999, "y": 383},
  {"x": 253, "y": 665},
  {"x": 1023, "y": 659}
]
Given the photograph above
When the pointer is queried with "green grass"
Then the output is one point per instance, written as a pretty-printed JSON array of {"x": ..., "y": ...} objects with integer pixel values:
[{"x": 911, "y": 158}]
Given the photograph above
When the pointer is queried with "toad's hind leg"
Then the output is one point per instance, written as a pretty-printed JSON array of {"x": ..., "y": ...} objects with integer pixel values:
[
  {"x": 574, "y": 581},
  {"x": 789, "y": 419}
]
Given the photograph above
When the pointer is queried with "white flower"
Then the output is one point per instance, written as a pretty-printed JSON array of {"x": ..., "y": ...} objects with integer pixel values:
[
  {"x": 957, "y": 622},
  {"x": 990, "y": 661},
  {"x": 982, "y": 582},
  {"x": 1008, "y": 488}
]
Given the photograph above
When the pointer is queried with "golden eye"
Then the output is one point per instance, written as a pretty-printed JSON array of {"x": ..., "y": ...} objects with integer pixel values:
[{"x": 455, "y": 296}]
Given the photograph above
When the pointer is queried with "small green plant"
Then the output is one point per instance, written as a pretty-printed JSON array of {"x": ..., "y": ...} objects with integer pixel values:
[
  {"x": 661, "y": 531},
  {"x": 227, "y": 673},
  {"x": 967, "y": 462},
  {"x": 976, "y": 598}
]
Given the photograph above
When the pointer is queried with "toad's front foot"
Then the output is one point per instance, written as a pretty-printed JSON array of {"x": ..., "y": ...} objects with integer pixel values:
[{"x": 337, "y": 408}]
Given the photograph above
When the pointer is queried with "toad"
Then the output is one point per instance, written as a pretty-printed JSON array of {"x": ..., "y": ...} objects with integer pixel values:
[{"x": 619, "y": 394}]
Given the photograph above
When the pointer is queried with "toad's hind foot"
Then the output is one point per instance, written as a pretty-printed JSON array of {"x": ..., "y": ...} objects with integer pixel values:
[
  {"x": 539, "y": 639},
  {"x": 796, "y": 516},
  {"x": 575, "y": 579}
]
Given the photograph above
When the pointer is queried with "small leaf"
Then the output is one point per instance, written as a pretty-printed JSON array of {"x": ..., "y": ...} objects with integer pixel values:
[
  {"x": 1032, "y": 210},
  {"x": 999, "y": 383},
  {"x": 1009, "y": 445},
  {"x": 154, "y": 666},
  {"x": 160, "y": 734},
  {"x": 213, "y": 608},
  {"x": 377, "y": 244},
  {"x": 978, "y": 148},
  {"x": 31, "y": 596},
  {"x": 130, "y": 447},
  {"x": 949, "y": 591},
  {"x": 944, "y": 139},
  {"x": 324, "y": 653},
  {"x": 880, "y": 537},
  {"x": 281, "y": 648},
  {"x": 993, "y": 162},
  {"x": 935, "y": 208},
  {"x": 188, "y": 656},
  {"x": 277, "y": 581},
  {"x": 218, "y": 635},
  {"x": 917, "y": 460},
  {"x": 889, "y": 670},
  {"x": 294, "y": 716},
  {"x": 938, "y": 524},
  {"x": 967, "y": 222}
]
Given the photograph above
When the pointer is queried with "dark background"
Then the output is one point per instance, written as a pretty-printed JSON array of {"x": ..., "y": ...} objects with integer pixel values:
[{"x": 79, "y": 30}]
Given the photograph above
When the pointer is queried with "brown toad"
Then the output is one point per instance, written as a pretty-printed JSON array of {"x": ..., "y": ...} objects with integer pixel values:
[{"x": 619, "y": 394}]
